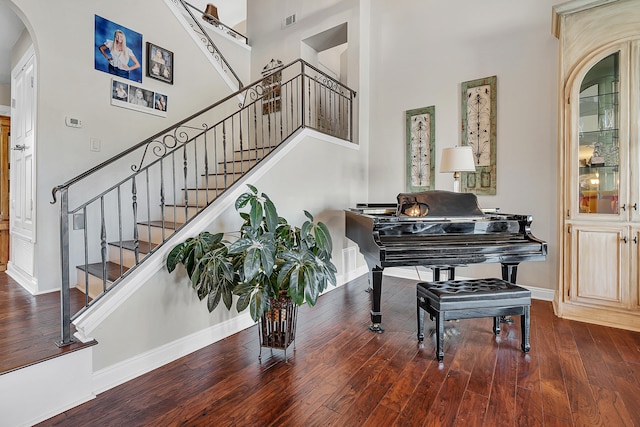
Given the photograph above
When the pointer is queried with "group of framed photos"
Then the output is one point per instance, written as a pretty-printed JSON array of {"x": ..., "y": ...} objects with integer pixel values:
[{"x": 118, "y": 51}]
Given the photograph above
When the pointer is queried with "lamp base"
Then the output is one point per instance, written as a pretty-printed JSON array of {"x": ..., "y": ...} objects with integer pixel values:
[{"x": 456, "y": 182}]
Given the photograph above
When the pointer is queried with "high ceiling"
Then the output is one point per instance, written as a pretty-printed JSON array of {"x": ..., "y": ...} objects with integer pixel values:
[{"x": 231, "y": 12}]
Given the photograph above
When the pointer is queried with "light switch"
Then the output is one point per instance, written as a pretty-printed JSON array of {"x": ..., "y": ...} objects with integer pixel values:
[{"x": 95, "y": 144}]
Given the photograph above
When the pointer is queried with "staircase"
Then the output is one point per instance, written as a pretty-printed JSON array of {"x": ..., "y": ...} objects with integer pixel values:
[{"x": 166, "y": 181}]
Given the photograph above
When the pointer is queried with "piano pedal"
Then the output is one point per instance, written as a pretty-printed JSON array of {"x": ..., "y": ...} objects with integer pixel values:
[
  {"x": 507, "y": 320},
  {"x": 376, "y": 327}
]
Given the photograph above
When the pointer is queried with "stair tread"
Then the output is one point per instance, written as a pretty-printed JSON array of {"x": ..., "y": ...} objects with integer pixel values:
[
  {"x": 143, "y": 246},
  {"x": 266, "y": 147},
  {"x": 220, "y": 173},
  {"x": 203, "y": 189},
  {"x": 167, "y": 224},
  {"x": 113, "y": 270}
]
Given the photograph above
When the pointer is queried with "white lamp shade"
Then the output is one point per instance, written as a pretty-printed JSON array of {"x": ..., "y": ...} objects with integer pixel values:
[{"x": 457, "y": 159}]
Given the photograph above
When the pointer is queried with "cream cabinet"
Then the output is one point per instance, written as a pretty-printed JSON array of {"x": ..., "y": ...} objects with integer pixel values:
[{"x": 599, "y": 161}]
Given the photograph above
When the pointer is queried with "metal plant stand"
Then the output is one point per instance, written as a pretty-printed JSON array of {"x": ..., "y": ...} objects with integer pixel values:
[{"x": 278, "y": 326}]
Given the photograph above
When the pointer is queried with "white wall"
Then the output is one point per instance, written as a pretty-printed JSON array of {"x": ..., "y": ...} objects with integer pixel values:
[
  {"x": 63, "y": 33},
  {"x": 421, "y": 53}
]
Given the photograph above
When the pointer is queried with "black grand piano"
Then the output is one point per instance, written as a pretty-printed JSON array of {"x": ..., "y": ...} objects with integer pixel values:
[{"x": 440, "y": 230}]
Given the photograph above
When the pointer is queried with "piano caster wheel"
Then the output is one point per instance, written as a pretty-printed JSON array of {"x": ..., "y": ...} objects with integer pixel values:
[
  {"x": 376, "y": 327},
  {"x": 420, "y": 337}
]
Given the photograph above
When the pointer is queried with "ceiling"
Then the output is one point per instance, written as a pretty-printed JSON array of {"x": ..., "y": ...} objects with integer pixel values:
[
  {"x": 10, "y": 29},
  {"x": 231, "y": 12}
]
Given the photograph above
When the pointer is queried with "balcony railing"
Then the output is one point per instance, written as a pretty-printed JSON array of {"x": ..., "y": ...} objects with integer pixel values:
[
  {"x": 195, "y": 20},
  {"x": 162, "y": 183}
]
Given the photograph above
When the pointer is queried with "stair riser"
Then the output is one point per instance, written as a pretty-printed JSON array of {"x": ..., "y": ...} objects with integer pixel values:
[
  {"x": 95, "y": 283},
  {"x": 156, "y": 233},
  {"x": 128, "y": 256},
  {"x": 218, "y": 181},
  {"x": 258, "y": 153},
  {"x": 236, "y": 167},
  {"x": 178, "y": 215},
  {"x": 200, "y": 197}
]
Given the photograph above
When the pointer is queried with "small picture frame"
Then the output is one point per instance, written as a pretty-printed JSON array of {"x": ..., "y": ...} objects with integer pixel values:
[
  {"x": 135, "y": 97},
  {"x": 159, "y": 63}
]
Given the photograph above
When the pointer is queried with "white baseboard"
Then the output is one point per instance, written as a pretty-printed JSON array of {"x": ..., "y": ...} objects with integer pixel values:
[{"x": 23, "y": 279}]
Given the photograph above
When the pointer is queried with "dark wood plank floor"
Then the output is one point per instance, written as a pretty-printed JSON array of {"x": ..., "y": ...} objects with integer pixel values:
[
  {"x": 30, "y": 325},
  {"x": 343, "y": 375}
]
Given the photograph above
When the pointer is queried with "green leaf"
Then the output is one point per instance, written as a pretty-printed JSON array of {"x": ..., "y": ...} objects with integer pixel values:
[
  {"x": 252, "y": 264},
  {"x": 255, "y": 215},
  {"x": 323, "y": 237},
  {"x": 271, "y": 214},
  {"x": 246, "y": 197},
  {"x": 176, "y": 256},
  {"x": 214, "y": 299}
]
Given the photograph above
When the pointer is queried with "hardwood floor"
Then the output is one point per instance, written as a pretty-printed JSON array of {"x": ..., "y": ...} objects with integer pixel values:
[
  {"x": 343, "y": 375},
  {"x": 30, "y": 325}
]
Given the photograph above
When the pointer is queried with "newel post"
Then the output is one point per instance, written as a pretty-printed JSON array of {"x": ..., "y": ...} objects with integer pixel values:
[{"x": 65, "y": 298}]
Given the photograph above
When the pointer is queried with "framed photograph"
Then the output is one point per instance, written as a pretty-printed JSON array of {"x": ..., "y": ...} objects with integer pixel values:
[
  {"x": 479, "y": 114},
  {"x": 159, "y": 63},
  {"x": 134, "y": 97},
  {"x": 117, "y": 50},
  {"x": 421, "y": 134}
]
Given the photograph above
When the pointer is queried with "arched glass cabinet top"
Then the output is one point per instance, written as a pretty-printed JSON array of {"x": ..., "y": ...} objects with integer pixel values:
[{"x": 598, "y": 147}]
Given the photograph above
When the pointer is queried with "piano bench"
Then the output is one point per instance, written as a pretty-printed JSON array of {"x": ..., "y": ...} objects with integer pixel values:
[{"x": 474, "y": 298}]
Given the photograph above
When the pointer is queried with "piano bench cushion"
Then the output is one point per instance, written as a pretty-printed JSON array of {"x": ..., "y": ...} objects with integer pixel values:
[{"x": 473, "y": 293}]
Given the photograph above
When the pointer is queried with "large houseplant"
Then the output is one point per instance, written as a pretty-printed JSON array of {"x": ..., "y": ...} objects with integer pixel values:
[{"x": 271, "y": 259}]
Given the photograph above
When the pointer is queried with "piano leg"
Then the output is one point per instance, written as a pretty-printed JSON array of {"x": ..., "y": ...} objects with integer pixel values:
[
  {"x": 371, "y": 266},
  {"x": 436, "y": 272},
  {"x": 509, "y": 273},
  {"x": 376, "y": 314}
]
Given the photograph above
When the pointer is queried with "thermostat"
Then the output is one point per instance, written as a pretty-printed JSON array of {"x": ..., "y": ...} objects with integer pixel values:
[{"x": 72, "y": 122}]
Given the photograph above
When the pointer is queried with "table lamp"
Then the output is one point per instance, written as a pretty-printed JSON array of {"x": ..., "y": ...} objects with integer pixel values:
[{"x": 456, "y": 160}]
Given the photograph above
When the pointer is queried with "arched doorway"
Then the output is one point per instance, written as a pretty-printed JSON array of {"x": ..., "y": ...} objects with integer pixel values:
[{"x": 18, "y": 73}]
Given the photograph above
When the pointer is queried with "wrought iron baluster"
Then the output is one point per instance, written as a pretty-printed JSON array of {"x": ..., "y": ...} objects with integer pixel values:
[
  {"x": 215, "y": 158},
  {"x": 206, "y": 166},
  {"x": 85, "y": 232},
  {"x": 103, "y": 245},
  {"x": 162, "y": 202},
  {"x": 134, "y": 206},
  {"x": 195, "y": 176},
  {"x": 120, "y": 239},
  {"x": 224, "y": 153},
  {"x": 184, "y": 177}
]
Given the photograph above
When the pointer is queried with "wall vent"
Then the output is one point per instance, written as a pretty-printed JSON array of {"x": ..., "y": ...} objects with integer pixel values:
[
  {"x": 349, "y": 259},
  {"x": 289, "y": 20}
]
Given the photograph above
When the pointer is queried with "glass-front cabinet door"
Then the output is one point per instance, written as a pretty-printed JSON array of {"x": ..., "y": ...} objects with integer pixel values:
[{"x": 598, "y": 157}]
